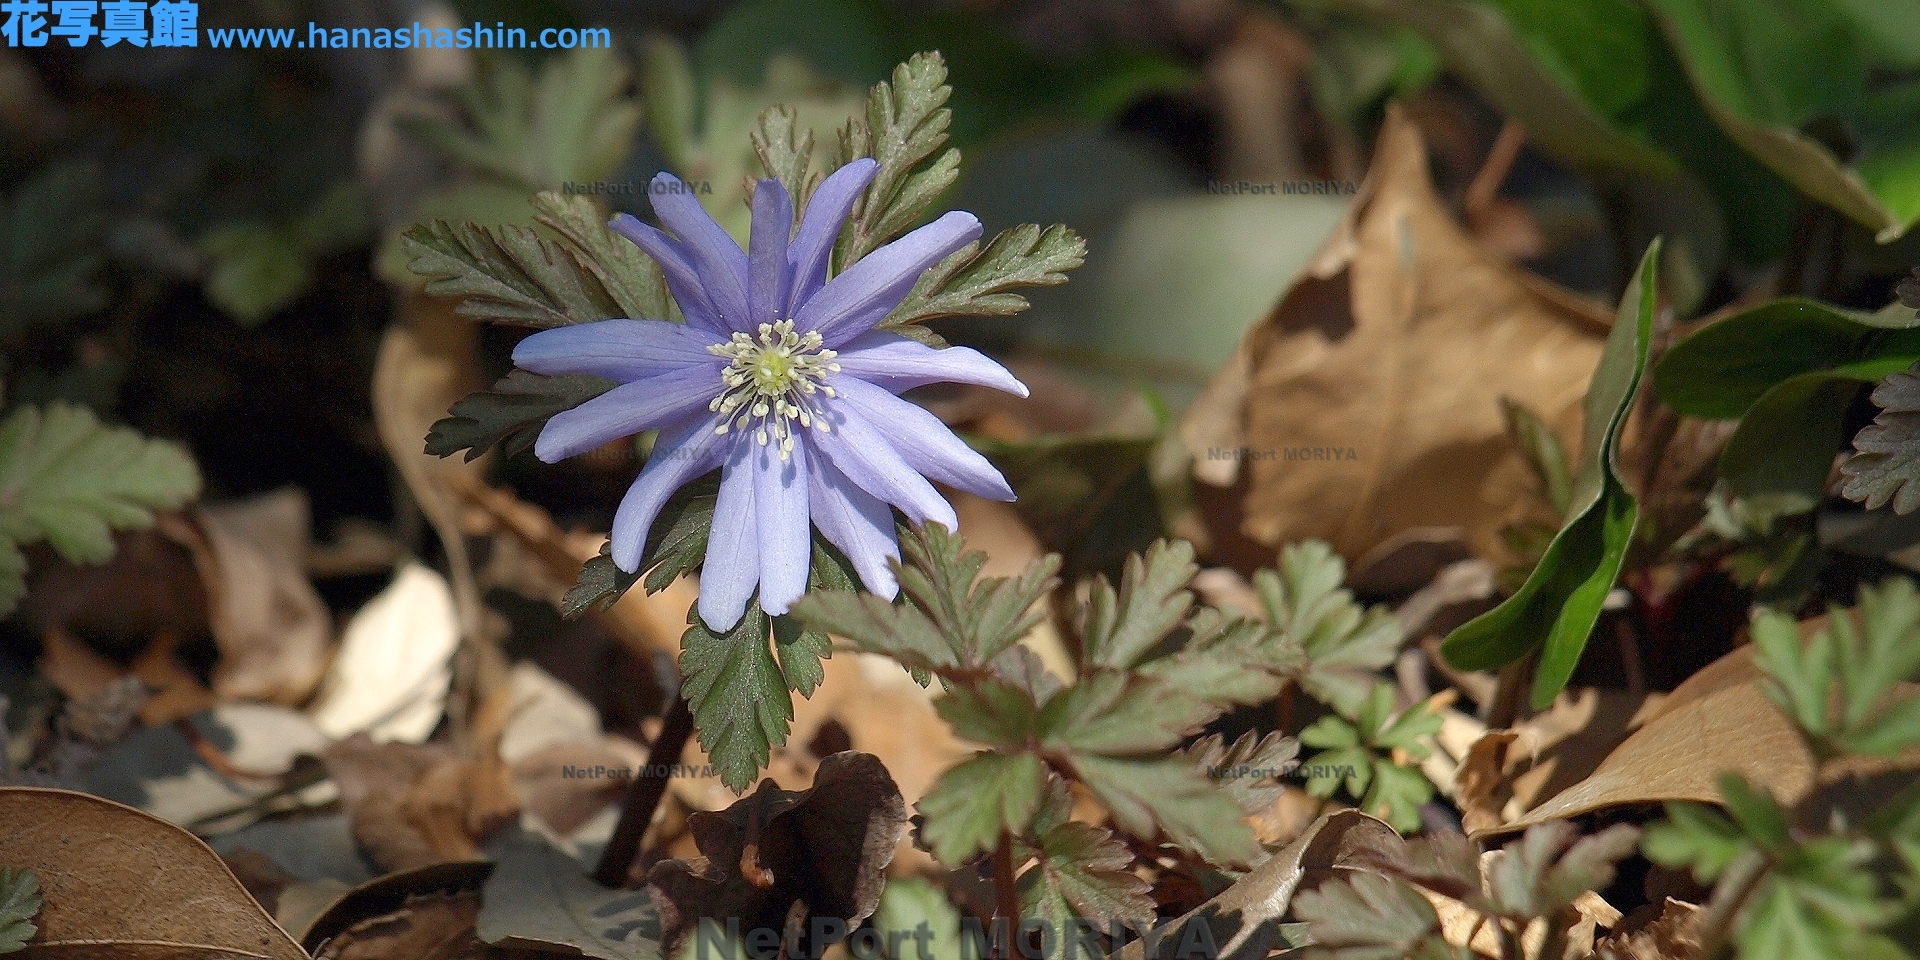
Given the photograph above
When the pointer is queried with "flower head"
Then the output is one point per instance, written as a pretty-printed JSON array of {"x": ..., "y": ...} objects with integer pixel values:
[{"x": 778, "y": 379}]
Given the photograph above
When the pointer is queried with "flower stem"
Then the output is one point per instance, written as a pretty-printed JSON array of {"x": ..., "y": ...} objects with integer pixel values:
[{"x": 644, "y": 796}]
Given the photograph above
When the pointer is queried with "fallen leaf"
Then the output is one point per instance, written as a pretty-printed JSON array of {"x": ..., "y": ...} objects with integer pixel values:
[
  {"x": 1393, "y": 349},
  {"x": 120, "y": 883},
  {"x": 1721, "y": 721},
  {"x": 1242, "y": 921},
  {"x": 826, "y": 847},
  {"x": 414, "y": 805},
  {"x": 273, "y": 630},
  {"x": 391, "y": 674},
  {"x": 539, "y": 898},
  {"x": 386, "y": 895},
  {"x": 1674, "y": 935}
]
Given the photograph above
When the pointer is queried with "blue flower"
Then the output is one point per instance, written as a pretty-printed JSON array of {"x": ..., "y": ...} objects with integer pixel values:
[{"x": 779, "y": 379}]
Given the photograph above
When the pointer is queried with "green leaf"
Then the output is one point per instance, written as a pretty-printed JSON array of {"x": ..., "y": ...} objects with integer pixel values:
[
  {"x": 1358, "y": 757},
  {"x": 52, "y": 247},
  {"x": 573, "y": 122},
  {"x": 1121, "y": 627},
  {"x": 13, "y": 576},
  {"x": 539, "y": 898},
  {"x": 512, "y": 414},
  {"x": 786, "y": 152},
  {"x": 19, "y": 903},
  {"x": 906, "y": 123},
  {"x": 1247, "y": 770},
  {"x": 801, "y": 651},
  {"x": 974, "y": 282},
  {"x": 1087, "y": 869},
  {"x": 1552, "y": 864},
  {"x": 1115, "y": 713},
  {"x": 1777, "y": 75},
  {"x": 1568, "y": 72},
  {"x": 667, "y": 86},
  {"x": 738, "y": 694},
  {"x": 973, "y": 804},
  {"x": 1866, "y": 663},
  {"x": 1725, "y": 368},
  {"x": 1165, "y": 794},
  {"x": 1695, "y": 836},
  {"x": 630, "y": 278},
  {"x": 1785, "y": 445},
  {"x": 1344, "y": 643},
  {"x": 1557, "y": 607},
  {"x": 253, "y": 271},
  {"x": 1545, "y": 454},
  {"x": 69, "y": 479},
  {"x": 1368, "y": 916},
  {"x": 1802, "y": 675},
  {"x": 1885, "y": 465},
  {"x": 676, "y": 545},
  {"x": 910, "y": 905},
  {"x": 508, "y": 274}
]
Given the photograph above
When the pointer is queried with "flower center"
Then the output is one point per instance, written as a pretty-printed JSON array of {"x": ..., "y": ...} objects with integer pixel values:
[{"x": 772, "y": 379}]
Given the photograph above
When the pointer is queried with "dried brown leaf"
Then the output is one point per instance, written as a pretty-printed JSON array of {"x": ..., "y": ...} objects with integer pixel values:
[
  {"x": 1394, "y": 348},
  {"x": 118, "y": 883}
]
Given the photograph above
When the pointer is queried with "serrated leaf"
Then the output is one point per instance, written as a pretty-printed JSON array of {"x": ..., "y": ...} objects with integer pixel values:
[
  {"x": 1355, "y": 759},
  {"x": 801, "y": 651},
  {"x": 991, "y": 712},
  {"x": 1165, "y": 795},
  {"x": 1087, "y": 869},
  {"x": 1885, "y": 465},
  {"x": 511, "y": 414},
  {"x": 786, "y": 152},
  {"x": 69, "y": 479},
  {"x": 676, "y": 545},
  {"x": 253, "y": 270},
  {"x": 507, "y": 274},
  {"x": 974, "y": 803},
  {"x": 630, "y": 277},
  {"x": 573, "y": 121},
  {"x": 1119, "y": 714},
  {"x": 739, "y": 696},
  {"x": 1247, "y": 770},
  {"x": 1367, "y": 916},
  {"x": 1695, "y": 836},
  {"x": 1122, "y": 626},
  {"x": 1838, "y": 685},
  {"x": 1551, "y": 864},
  {"x": 974, "y": 282},
  {"x": 906, "y": 121},
  {"x": 1343, "y": 644},
  {"x": 19, "y": 903},
  {"x": 1556, "y": 609}
]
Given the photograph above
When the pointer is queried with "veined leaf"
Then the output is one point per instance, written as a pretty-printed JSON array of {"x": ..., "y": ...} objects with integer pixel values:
[
  {"x": 906, "y": 123},
  {"x": 976, "y": 802},
  {"x": 738, "y": 694},
  {"x": 69, "y": 479},
  {"x": 1557, "y": 607},
  {"x": 1885, "y": 465},
  {"x": 511, "y": 414},
  {"x": 508, "y": 274},
  {"x": 19, "y": 902},
  {"x": 975, "y": 282}
]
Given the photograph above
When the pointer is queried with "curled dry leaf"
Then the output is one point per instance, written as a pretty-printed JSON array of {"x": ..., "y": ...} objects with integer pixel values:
[
  {"x": 120, "y": 884},
  {"x": 1385, "y": 363},
  {"x": 1242, "y": 922},
  {"x": 390, "y": 677},
  {"x": 1512, "y": 770},
  {"x": 272, "y": 628},
  {"x": 826, "y": 847},
  {"x": 1673, "y": 935},
  {"x": 412, "y": 805}
]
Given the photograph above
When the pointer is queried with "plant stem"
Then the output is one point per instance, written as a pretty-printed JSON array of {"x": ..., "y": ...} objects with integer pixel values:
[
  {"x": 644, "y": 796},
  {"x": 1006, "y": 897}
]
